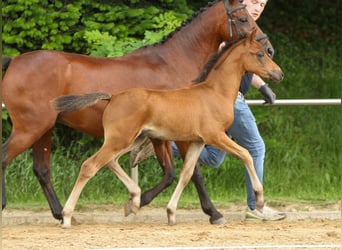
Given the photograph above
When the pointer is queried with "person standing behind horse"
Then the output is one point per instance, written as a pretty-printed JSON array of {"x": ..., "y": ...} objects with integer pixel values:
[{"x": 245, "y": 132}]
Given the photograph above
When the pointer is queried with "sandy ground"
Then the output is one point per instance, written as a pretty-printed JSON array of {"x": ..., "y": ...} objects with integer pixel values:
[{"x": 101, "y": 227}]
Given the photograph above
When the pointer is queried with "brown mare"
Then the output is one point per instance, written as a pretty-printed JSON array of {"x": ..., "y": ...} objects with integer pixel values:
[
  {"x": 37, "y": 77},
  {"x": 141, "y": 111}
]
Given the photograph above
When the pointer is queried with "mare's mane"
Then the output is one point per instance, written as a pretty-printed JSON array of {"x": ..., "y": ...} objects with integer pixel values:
[
  {"x": 214, "y": 58},
  {"x": 185, "y": 23}
]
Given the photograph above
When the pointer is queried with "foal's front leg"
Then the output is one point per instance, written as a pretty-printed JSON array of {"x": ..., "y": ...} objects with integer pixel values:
[
  {"x": 133, "y": 188},
  {"x": 222, "y": 141}
]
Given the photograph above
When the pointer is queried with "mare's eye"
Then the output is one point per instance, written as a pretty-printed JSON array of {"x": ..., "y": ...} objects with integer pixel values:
[
  {"x": 243, "y": 19},
  {"x": 240, "y": 1},
  {"x": 260, "y": 54}
]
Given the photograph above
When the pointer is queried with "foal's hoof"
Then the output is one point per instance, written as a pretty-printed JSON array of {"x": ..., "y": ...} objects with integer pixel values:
[
  {"x": 171, "y": 217},
  {"x": 219, "y": 221},
  {"x": 67, "y": 222},
  {"x": 130, "y": 208}
]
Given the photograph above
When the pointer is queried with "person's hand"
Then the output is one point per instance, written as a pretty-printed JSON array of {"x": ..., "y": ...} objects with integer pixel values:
[{"x": 269, "y": 95}]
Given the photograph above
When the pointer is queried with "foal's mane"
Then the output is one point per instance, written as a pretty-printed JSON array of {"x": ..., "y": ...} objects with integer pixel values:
[
  {"x": 214, "y": 58},
  {"x": 184, "y": 23}
]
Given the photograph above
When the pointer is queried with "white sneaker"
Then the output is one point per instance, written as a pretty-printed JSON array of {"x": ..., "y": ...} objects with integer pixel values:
[
  {"x": 267, "y": 214},
  {"x": 254, "y": 215},
  {"x": 272, "y": 214}
]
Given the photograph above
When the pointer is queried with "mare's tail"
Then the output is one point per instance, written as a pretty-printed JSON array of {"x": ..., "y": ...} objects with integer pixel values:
[
  {"x": 5, "y": 61},
  {"x": 69, "y": 103}
]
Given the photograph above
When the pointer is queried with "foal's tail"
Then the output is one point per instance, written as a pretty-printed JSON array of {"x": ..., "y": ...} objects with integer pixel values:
[{"x": 69, "y": 103}]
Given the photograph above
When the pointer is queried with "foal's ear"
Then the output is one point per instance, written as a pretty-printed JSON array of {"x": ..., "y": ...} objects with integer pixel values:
[{"x": 252, "y": 36}]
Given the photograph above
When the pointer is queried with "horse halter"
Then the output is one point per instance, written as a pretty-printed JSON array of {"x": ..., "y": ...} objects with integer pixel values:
[
  {"x": 231, "y": 21},
  {"x": 269, "y": 51}
]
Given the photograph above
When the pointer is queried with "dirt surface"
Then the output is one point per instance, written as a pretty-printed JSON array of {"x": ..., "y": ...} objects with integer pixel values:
[{"x": 100, "y": 227}]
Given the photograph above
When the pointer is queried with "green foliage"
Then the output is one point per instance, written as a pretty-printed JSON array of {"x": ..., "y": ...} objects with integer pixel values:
[
  {"x": 104, "y": 44},
  {"x": 61, "y": 25}
]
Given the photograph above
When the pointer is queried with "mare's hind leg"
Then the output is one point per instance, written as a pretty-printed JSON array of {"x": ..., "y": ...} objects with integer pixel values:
[
  {"x": 41, "y": 169},
  {"x": 18, "y": 142},
  {"x": 207, "y": 206}
]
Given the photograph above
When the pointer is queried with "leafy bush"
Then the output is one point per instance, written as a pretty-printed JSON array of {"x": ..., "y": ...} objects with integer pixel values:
[{"x": 61, "y": 25}]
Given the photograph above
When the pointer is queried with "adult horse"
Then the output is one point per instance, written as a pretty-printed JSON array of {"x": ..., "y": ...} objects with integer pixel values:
[
  {"x": 37, "y": 77},
  {"x": 141, "y": 111}
]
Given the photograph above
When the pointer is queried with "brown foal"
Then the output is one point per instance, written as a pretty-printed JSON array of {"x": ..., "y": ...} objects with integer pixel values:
[{"x": 178, "y": 115}]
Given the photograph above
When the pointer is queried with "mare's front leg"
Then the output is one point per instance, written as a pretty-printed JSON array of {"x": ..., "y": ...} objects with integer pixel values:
[
  {"x": 207, "y": 206},
  {"x": 194, "y": 150},
  {"x": 163, "y": 153},
  {"x": 41, "y": 168}
]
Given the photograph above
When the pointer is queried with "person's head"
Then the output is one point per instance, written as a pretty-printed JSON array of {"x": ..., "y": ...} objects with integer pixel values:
[{"x": 255, "y": 7}]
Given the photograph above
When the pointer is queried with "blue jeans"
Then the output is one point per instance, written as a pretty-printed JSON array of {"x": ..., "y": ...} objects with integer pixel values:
[{"x": 245, "y": 132}]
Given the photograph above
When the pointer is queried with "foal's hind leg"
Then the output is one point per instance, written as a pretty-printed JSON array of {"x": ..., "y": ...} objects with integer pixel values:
[
  {"x": 88, "y": 169},
  {"x": 41, "y": 168},
  {"x": 191, "y": 158}
]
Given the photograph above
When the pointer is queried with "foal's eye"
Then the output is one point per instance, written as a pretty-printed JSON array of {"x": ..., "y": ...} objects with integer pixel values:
[
  {"x": 260, "y": 54},
  {"x": 240, "y": 1},
  {"x": 270, "y": 52}
]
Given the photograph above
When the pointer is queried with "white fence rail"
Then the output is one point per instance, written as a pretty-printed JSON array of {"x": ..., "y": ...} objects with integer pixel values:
[{"x": 289, "y": 102}]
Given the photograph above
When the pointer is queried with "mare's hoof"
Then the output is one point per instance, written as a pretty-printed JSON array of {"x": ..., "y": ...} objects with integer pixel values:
[{"x": 219, "y": 221}]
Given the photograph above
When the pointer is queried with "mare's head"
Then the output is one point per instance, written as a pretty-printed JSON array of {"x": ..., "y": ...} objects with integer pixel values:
[
  {"x": 238, "y": 24},
  {"x": 255, "y": 59}
]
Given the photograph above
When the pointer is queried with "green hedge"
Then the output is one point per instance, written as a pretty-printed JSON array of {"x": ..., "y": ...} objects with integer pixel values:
[{"x": 62, "y": 25}]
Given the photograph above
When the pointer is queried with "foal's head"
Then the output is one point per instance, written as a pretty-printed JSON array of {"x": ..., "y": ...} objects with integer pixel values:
[
  {"x": 252, "y": 57},
  {"x": 256, "y": 60}
]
